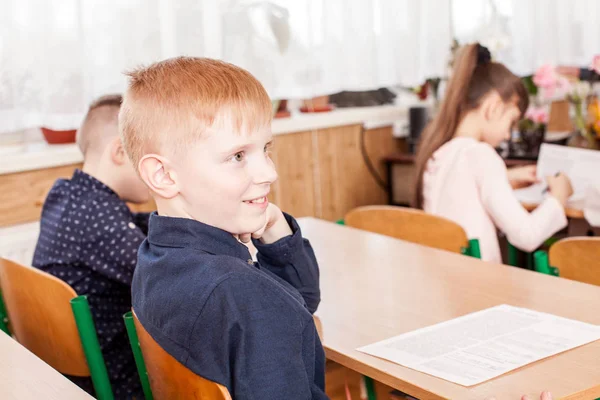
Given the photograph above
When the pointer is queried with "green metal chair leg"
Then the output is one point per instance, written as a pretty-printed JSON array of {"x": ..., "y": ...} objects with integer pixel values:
[
  {"x": 513, "y": 255},
  {"x": 370, "y": 386},
  {"x": 91, "y": 348},
  {"x": 473, "y": 249},
  {"x": 519, "y": 258},
  {"x": 3, "y": 317},
  {"x": 541, "y": 262},
  {"x": 137, "y": 354},
  {"x": 530, "y": 261},
  {"x": 542, "y": 265}
]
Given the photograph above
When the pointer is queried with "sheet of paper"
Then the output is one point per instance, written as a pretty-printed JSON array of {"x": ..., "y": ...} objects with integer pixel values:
[
  {"x": 533, "y": 194},
  {"x": 480, "y": 346},
  {"x": 580, "y": 165}
]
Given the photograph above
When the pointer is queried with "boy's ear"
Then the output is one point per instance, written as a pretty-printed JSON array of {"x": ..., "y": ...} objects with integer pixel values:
[
  {"x": 117, "y": 152},
  {"x": 156, "y": 172}
]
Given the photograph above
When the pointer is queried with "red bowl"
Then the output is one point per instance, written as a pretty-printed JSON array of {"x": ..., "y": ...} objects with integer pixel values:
[
  {"x": 283, "y": 114},
  {"x": 59, "y": 137},
  {"x": 317, "y": 109}
]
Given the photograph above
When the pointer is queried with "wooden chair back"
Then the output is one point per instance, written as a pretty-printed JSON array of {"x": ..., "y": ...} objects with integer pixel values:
[
  {"x": 577, "y": 258},
  {"x": 411, "y": 225},
  {"x": 41, "y": 318},
  {"x": 169, "y": 379}
]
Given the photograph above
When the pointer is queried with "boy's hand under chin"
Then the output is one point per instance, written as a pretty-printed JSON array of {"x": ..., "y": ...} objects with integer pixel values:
[{"x": 275, "y": 228}]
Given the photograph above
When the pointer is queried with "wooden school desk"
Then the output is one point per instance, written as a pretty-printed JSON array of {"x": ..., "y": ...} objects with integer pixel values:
[
  {"x": 374, "y": 287},
  {"x": 23, "y": 376},
  {"x": 570, "y": 212}
]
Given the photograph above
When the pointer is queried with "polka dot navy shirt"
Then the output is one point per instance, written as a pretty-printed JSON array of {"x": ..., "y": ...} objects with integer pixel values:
[{"x": 89, "y": 238}]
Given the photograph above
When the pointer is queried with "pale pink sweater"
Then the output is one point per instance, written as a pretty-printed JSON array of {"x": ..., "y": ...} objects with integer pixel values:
[{"x": 466, "y": 181}]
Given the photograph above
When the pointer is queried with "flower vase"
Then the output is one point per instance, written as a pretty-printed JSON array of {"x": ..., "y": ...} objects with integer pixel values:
[
  {"x": 582, "y": 137},
  {"x": 583, "y": 140}
]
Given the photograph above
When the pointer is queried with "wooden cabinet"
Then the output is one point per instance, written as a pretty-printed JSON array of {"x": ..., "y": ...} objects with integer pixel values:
[
  {"x": 22, "y": 194},
  {"x": 294, "y": 159},
  {"x": 322, "y": 173}
]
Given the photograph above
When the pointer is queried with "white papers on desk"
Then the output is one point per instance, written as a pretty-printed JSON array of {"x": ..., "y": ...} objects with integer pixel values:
[
  {"x": 580, "y": 165},
  {"x": 480, "y": 346},
  {"x": 533, "y": 194}
]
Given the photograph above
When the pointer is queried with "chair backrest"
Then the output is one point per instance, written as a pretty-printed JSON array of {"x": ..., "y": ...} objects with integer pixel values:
[
  {"x": 577, "y": 258},
  {"x": 411, "y": 225},
  {"x": 41, "y": 317},
  {"x": 169, "y": 379}
]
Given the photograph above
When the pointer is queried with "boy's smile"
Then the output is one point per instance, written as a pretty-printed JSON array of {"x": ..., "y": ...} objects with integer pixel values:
[{"x": 260, "y": 202}]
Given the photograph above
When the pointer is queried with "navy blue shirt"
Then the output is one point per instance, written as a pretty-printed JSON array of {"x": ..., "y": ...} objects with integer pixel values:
[
  {"x": 89, "y": 238},
  {"x": 247, "y": 326}
]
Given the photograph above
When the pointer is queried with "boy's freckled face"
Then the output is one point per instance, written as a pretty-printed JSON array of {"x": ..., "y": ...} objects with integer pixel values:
[{"x": 225, "y": 177}]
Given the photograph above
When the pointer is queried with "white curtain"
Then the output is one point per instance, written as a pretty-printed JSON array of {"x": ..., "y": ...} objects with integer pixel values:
[
  {"x": 525, "y": 34},
  {"x": 556, "y": 31},
  {"x": 56, "y": 56},
  {"x": 346, "y": 45}
]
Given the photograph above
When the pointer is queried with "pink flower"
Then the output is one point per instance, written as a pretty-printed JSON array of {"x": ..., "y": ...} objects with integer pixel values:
[
  {"x": 545, "y": 77},
  {"x": 596, "y": 63},
  {"x": 549, "y": 80},
  {"x": 537, "y": 115},
  {"x": 563, "y": 85}
]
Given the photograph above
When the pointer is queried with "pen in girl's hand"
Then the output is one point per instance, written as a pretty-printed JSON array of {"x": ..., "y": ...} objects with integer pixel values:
[{"x": 547, "y": 187}]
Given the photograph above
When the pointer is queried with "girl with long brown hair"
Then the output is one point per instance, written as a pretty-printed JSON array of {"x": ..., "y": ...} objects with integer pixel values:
[{"x": 461, "y": 177}]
